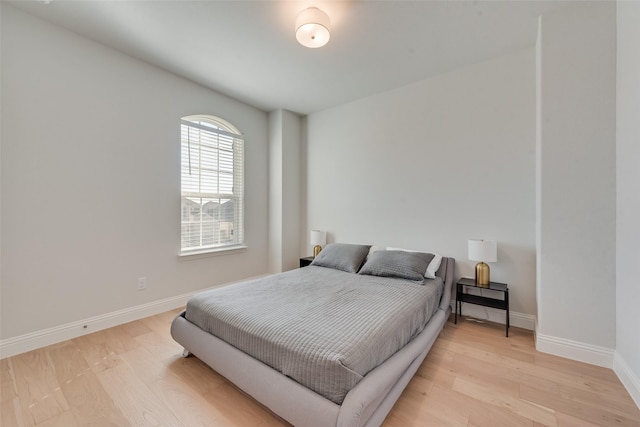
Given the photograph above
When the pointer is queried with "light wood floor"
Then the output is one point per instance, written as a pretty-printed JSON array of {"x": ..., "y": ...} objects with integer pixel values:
[{"x": 134, "y": 375}]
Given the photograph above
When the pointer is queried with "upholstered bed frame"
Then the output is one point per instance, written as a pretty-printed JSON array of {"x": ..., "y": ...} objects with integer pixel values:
[{"x": 367, "y": 404}]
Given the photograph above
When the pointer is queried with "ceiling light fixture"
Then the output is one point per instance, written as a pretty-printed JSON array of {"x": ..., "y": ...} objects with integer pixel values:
[{"x": 312, "y": 28}]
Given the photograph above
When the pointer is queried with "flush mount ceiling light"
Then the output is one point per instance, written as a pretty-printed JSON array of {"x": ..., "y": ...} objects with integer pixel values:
[{"x": 312, "y": 28}]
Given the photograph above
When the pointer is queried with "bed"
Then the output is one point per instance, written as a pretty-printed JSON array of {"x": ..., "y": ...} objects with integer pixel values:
[{"x": 331, "y": 344}]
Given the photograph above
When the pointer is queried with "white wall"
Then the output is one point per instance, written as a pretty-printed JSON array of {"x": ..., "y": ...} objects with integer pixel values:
[
  {"x": 276, "y": 196},
  {"x": 627, "y": 357},
  {"x": 576, "y": 280},
  {"x": 291, "y": 124},
  {"x": 284, "y": 190},
  {"x": 91, "y": 180},
  {"x": 431, "y": 165}
]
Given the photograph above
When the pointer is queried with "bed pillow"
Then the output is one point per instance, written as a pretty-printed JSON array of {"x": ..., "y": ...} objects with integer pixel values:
[
  {"x": 375, "y": 248},
  {"x": 398, "y": 264},
  {"x": 342, "y": 256},
  {"x": 433, "y": 267}
]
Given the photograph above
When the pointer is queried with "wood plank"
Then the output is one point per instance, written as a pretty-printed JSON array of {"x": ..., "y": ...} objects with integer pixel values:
[
  {"x": 147, "y": 366},
  {"x": 160, "y": 346},
  {"x": 135, "y": 328},
  {"x": 41, "y": 397},
  {"x": 119, "y": 339},
  {"x": 11, "y": 413},
  {"x": 89, "y": 403},
  {"x": 590, "y": 413},
  {"x": 491, "y": 341},
  {"x": 441, "y": 404},
  {"x": 137, "y": 402},
  {"x": 399, "y": 419},
  {"x": 196, "y": 374},
  {"x": 159, "y": 322},
  {"x": 191, "y": 408},
  {"x": 240, "y": 409},
  {"x": 542, "y": 414},
  {"x": 576, "y": 368},
  {"x": 65, "y": 419},
  {"x": 618, "y": 404},
  {"x": 433, "y": 373},
  {"x": 565, "y": 420},
  {"x": 486, "y": 415},
  {"x": 519, "y": 367},
  {"x": 8, "y": 390},
  {"x": 97, "y": 351},
  {"x": 478, "y": 371}
]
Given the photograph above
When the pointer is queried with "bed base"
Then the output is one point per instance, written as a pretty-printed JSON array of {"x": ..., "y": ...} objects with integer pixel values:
[{"x": 367, "y": 404}]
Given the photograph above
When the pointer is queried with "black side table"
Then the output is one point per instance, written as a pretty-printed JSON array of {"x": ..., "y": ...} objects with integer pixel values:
[
  {"x": 461, "y": 296},
  {"x": 305, "y": 261}
]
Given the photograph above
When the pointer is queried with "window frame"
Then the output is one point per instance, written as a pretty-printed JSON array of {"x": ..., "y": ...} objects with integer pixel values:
[{"x": 213, "y": 132}]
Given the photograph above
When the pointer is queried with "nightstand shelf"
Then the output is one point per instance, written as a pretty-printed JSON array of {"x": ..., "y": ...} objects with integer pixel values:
[
  {"x": 305, "y": 261},
  {"x": 501, "y": 304}
]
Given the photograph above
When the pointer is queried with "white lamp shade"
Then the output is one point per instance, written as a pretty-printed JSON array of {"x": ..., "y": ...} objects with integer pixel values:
[
  {"x": 312, "y": 28},
  {"x": 318, "y": 237},
  {"x": 483, "y": 250}
]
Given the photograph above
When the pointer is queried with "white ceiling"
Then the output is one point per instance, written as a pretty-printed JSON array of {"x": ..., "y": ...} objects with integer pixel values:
[{"x": 248, "y": 50}]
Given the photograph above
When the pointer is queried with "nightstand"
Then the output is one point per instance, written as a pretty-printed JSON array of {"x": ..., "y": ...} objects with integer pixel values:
[
  {"x": 461, "y": 296},
  {"x": 305, "y": 261}
]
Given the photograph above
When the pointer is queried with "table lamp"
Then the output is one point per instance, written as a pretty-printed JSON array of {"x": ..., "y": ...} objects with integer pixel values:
[
  {"x": 318, "y": 239},
  {"x": 483, "y": 251}
]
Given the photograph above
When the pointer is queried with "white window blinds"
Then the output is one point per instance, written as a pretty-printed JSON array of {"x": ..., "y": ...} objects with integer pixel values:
[{"x": 212, "y": 184}]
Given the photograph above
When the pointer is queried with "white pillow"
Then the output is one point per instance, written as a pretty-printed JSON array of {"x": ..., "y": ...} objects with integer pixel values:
[
  {"x": 373, "y": 249},
  {"x": 433, "y": 266}
]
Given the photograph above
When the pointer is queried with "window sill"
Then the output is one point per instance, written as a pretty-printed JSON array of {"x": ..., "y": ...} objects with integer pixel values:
[{"x": 205, "y": 253}]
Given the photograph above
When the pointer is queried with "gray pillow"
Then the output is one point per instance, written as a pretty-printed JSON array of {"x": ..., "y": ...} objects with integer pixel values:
[
  {"x": 399, "y": 264},
  {"x": 342, "y": 256}
]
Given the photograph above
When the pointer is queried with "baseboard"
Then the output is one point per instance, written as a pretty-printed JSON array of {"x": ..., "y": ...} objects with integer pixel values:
[
  {"x": 629, "y": 379},
  {"x": 587, "y": 353},
  {"x": 519, "y": 320}
]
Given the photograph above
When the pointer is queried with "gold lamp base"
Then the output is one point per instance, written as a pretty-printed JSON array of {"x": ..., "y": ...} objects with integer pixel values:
[
  {"x": 482, "y": 275},
  {"x": 316, "y": 250}
]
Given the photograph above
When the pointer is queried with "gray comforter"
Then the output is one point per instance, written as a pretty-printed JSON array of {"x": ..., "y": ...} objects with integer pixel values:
[{"x": 324, "y": 328}]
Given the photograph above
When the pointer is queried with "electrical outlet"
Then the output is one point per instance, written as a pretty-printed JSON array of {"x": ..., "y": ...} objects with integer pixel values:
[{"x": 142, "y": 283}]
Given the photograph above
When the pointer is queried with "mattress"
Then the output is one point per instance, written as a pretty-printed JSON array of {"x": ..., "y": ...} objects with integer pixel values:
[{"x": 321, "y": 327}]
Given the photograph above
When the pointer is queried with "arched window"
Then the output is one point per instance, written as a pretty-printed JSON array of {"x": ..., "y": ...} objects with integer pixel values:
[{"x": 212, "y": 184}]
